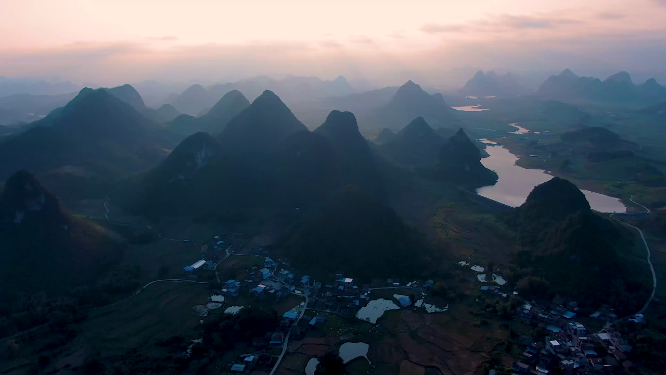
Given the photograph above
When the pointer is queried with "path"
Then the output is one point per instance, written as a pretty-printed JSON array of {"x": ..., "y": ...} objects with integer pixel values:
[
  {"x": 631, "y": 198},
  {"x": 144, "y": 287},
  {"x": 649, "y": 260},
  {"x": 285, "y": 346}
]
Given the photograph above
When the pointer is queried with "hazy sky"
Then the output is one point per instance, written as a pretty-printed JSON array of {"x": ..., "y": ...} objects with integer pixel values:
[{"x": 113, "y": 41}]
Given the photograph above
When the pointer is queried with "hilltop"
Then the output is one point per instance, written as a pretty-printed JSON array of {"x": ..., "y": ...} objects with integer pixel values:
[
  {"x": 492, "y": 84},
  {"x": 460, "y": 162},
  {"x": 417, "y": 144},
  {"x": 341, "y": 130},
  {"x": 410, "y": 102},
  {"x": 569, "y": 245},
  {"x": 355, "y": 233},
  {"x": 386, "y": 135},
  {"x": 215, "y": 120},
  {"x": 43, "y": 246},
  {"x": 260, "y": 127},
  {"x": 193, "y": 100}
]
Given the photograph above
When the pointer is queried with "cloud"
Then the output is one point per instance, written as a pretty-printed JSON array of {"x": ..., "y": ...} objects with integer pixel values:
[
  {"x": 330, "y": 44},
  {"x": 166, "y": 38},
  {"x": 432, "y": 28},
  {"x": 529, "y": 22},
  {"x": 362, "y": 40}
]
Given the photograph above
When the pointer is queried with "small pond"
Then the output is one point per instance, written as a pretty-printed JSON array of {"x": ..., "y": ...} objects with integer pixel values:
[
  {"x": 375, "y": 309},
  {"x": 352, "y": 350}
]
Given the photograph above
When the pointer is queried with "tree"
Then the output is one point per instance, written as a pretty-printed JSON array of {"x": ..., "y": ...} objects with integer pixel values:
[
  {"x": 533, "y": 286},
  {"x": 566, "y": 163},
  {"x": 330, "y": 364}
]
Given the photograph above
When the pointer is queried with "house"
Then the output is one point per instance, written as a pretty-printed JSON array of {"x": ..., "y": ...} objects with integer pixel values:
[
  {"x": 527, "y": 317},
  {"x": 576, "y": 329},
  {"x": 259, "y": 342},
  {"x": 249, "y": 361},
  {"x": 555, "y": 346},
  {"x": 596, "y": 364},
  {"x": 268, "y": 262},
  {"x": 195, "y": 267},
  {"x": 265, "y": 273},
  {"x": 238, "y": 368},
  {"x": 259, "y": 289},
  {"x": 305, "y": 280},
  {"x": 348, "y": 283},
  {"x": 313, "y": 321},
  {"x": 568, "y": 315},
  {"x": 290, "y": 315},
  {"x": 217, "y": 298},
  {"x": 276, "y": 338},
  {"x": 520, "y": 368}
]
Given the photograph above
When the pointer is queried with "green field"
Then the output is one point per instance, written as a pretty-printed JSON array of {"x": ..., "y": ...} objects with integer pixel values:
[{"x": 160, "y": 311}]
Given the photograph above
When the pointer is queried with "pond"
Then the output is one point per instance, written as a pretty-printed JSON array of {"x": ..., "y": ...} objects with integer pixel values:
[
  {"x": 352, "y": 350},
  {"x": 470, "y": 108},
  {"x": 515, "y": 183},
  {"x": 375, "y": 309},
  {"x": 233, "y": 310},
  {"x": 311, "y": 366}
]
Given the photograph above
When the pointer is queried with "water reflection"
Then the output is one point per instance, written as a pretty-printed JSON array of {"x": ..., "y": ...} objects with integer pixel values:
[
  {"x": 520, "y": 130},
  {"x": 471, "y": 108},
  {"x": 515, "y": 183},
  {"x": 311, "y": 366},
  {"x": 352, "y": 350}
]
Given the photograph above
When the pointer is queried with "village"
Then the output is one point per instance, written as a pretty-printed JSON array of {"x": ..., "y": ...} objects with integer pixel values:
[{"x": 555, "y": 340}]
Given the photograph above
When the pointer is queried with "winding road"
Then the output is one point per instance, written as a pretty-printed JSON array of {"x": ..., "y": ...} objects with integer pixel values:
[
  {"x": 649, "y": 259},
  {"x": 654, "y": 275},
  {"x": 285, "y": 346}
]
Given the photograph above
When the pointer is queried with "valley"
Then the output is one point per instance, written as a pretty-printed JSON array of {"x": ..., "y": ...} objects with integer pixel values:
[{"x": 243, "y": 237}]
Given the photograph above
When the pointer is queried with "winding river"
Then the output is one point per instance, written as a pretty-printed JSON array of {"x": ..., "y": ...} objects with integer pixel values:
[{"x": 515, "y": 183}]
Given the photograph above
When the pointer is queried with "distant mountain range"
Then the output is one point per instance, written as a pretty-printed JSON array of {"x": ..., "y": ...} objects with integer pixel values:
[
  {"x": 43, "y": 246},
  {"x": 18, "y": 86},
  {"x": 20, "y": 108},
  {"x": 492, "y": 84},
  {"x": 617, "y": 88},
  {"x": 197, "y": 99}
]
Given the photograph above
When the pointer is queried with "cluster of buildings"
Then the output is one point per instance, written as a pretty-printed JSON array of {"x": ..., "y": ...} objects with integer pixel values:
[
  {"x": 569, "y": 347},
  {"x": 211, "y": 254}
]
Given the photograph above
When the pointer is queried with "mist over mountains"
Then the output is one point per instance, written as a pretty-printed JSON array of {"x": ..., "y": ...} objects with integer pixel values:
[{"x": 618, "y": 88}]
